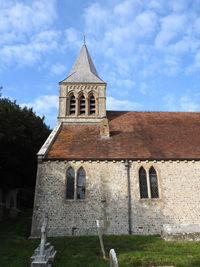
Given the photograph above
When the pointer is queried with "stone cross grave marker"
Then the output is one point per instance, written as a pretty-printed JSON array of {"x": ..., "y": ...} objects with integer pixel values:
[{"x": 44, "y": 254}]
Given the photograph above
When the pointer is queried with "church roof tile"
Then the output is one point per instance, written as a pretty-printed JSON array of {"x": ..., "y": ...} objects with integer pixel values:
[{"x": 134, "y": 135}]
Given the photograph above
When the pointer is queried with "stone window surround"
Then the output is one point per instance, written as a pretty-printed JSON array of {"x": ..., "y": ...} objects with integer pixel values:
[
  {"x": 77, "y": 103},
  {"x": 147, "y": 169},
  {"x": 76, "y": 169}
]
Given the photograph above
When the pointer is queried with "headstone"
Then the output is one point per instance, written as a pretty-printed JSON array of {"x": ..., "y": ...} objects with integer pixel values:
[
  {"x": 44, "y": 254},
  {"x": 100, "y": 239},
  {"x": 11, "y": 202},
  {"x": 181, "y": 232},
  {"x": 113, "y": 258},
  {"x": 1, "y": 204}
]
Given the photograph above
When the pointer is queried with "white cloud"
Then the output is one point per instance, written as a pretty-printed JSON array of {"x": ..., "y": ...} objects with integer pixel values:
[
  {"x": 73, "y": 37},
  {"x": 188, "y": 104},
  {"x": 26, "y": 16},
  {"x": 116, "y": 104},
  {"x": 171, "y": 26},
  {"x": 25, "y": 33},
  {"x": 183, "y": 103},
  {"x": 43, "y": 105},
  {"x": 58, "y": 69}
]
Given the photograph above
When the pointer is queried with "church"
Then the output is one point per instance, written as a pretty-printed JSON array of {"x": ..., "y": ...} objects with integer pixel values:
[{"x": 134, "y": 171}]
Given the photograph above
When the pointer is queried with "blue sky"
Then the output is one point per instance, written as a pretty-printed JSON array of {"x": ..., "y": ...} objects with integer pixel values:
[{"x": 148, "y": 52}]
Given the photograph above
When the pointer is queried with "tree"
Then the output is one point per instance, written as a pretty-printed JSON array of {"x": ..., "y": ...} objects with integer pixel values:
[{"x": 22, "y": 133}]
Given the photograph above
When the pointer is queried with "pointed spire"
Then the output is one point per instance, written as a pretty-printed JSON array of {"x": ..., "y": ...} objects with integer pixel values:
[{"x": 83, "y": 70}]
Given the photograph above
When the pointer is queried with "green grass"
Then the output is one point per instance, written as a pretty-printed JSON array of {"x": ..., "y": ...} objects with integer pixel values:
[{"x": 16, "y": 248}]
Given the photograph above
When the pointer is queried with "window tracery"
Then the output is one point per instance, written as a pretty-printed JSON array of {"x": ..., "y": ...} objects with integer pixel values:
[
  {"x": 148, "y": 183},
  {"x": 143, "y": 183},
  {"x": 75, "y": 183},
  {"x": 70, "y": 183},
  {"x": 153, "y": 183}
]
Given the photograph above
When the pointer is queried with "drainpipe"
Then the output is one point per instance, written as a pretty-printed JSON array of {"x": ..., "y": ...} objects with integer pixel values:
[{"x": 127, "y": 166}]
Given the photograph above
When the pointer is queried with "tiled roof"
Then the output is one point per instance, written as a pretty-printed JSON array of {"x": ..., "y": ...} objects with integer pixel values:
[
  {"x": 134, "y": 135},
  {"x": 83, "y": 70}
]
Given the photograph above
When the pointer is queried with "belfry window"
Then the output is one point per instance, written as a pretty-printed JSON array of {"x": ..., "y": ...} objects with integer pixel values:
[
  {"x": 72, "y": 105},
  {"x": 92, "y": 105},
  {"x": 143, "y": 183},
  {"x": 153, "y": 183},
  {"x": 81, "y": 184},
  {"x": 82, "y": 105},
  {"x": 70, "y": 183}
]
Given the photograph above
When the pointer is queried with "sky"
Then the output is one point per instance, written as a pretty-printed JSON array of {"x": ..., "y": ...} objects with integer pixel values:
[{"x": 147, "y": 51}]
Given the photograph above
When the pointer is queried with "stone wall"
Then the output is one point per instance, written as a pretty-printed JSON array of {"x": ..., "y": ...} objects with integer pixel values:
[{"x": 107, "y": 197}]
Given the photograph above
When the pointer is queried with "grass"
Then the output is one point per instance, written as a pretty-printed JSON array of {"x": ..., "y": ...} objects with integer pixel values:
[{"x": 84, "y": 251}]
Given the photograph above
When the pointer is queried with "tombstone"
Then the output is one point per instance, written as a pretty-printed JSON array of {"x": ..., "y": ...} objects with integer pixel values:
[
  {"x": 44, "y": 254},
  {"x": 11, "y": 202},
  {"x": 100, "y": 239},
  {"x": 181, "y": 232},
  {"x": 1, "y": 204},
  {"x": 113, "y": 258}
]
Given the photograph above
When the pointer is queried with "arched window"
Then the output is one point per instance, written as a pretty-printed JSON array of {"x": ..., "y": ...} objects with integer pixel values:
[
  {"x": 70, "y": 183},
  {"x": 82, "y": 104},
  {"x": 92, "y": 105},
  {"x": 81, "y": 184},
  {"x": 153, "y": 183},
  {"x": 143, "y": 183},
  {"x": 72, "y": 108}
]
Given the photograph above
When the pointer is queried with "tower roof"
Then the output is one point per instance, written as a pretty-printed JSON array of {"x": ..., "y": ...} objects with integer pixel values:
[{"x": 83, "y": 70}]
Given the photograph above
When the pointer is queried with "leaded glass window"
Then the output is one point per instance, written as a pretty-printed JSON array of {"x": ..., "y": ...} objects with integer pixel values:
[
  {"x": 82, "y": 105},
  {"x": 153, "y": 183},
  {"x": 143, "y": 183},
  {"x": 92, "y": 105},
  {"x": 72, "y": 109},
  {"x": 70, "y": 183},
  {"x": 81, "y": 184}
]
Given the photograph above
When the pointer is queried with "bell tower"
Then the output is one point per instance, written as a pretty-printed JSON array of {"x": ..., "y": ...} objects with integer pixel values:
[{"x": 82, "y": 93}]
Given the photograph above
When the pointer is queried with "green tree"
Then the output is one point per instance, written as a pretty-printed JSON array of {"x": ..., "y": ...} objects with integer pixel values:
[{"x": 22, "y": 133}]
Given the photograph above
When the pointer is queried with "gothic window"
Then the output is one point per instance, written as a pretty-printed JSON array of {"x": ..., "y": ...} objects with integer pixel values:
[
  {"x": 72, "y": 109},
  {"x": 143, "y": 183},
  {"x": 92, "y": 105},
  {"x": 82, "y": 104},
  {"x": 81, "y": 184},
  {"x": 153, "y": 183},
  {"x": 70, "y": 183}
]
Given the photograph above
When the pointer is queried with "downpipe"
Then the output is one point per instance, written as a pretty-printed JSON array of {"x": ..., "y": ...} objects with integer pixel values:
[{"x": 127, "y": 167}]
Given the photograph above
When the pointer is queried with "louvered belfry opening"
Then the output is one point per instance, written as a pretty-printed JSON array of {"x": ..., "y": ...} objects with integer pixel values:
[
  {"x": 72, "y": 105},
  {"x": 82, "y": 105},
  {"x": 92, "y": 105}
]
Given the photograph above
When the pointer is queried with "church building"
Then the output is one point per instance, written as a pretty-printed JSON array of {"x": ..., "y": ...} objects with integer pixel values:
[{"x": 133, "y": 170}]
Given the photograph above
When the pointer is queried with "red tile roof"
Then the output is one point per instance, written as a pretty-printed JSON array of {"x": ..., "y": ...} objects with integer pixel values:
[{"x": 134, "y": 135}]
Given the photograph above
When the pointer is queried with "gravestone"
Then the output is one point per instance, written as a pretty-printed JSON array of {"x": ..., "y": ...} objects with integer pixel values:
[
  {"x": 44, "y": 254},
  {"x": 1, "y": 204},
  {"x": 181, "y": 232},
  {"x": 113, "y": 258},
  {"x": 11, "y": 202}
]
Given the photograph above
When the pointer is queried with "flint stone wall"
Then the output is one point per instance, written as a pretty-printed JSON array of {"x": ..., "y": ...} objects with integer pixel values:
[{"x": 107, "y": 198}]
